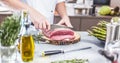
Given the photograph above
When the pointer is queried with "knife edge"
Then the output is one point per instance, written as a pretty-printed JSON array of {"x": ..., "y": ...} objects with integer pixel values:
[
  {"x": 53, "y": 52},
  {"x": 53, "y": 26}
]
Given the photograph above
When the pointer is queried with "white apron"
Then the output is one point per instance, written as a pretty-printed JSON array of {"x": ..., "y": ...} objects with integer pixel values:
[{"x": 45, "y": 7}]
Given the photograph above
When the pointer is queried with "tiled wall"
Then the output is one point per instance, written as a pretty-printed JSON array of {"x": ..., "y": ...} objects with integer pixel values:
[{"x": 115, "y": 3}]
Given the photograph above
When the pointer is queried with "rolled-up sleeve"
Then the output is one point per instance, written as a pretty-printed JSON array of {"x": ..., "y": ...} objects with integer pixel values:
[{"x": 58, "y": 1}]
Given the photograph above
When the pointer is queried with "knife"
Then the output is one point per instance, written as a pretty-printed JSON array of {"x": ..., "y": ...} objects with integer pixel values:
[
  {"x": 52, "y": 52},
  {"x": 53, "y": 26}
]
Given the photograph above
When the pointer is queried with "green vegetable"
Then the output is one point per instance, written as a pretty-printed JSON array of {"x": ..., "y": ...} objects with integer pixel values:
[
  {"x": 99, "y": 30},
  {"x": 39, "y": 37},
  {"x": 72, "y": 61},
  {"x": 9, "y": 30},
  {"x": 115, "y": 19},
  {"x": 102, "y": 24},
  {"x": 105, "y": 10}
]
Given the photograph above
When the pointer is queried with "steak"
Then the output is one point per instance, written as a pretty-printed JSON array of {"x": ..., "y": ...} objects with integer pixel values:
[{"x": 59, "y": 33}]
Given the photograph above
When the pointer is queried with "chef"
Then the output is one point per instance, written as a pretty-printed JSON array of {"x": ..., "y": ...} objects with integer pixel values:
[{"x": 42, "y": 11}]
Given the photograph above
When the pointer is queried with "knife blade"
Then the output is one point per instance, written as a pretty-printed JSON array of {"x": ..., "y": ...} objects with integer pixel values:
[
  {"x": 53, "y": 26},
  {"x": 52, "y": 52}
]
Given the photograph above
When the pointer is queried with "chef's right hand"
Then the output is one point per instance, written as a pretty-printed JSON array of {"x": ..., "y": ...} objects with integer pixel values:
[{"x": 39, "y": 21}]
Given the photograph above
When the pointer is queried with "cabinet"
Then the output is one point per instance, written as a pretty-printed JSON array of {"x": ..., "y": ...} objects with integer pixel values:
[
  {"x": 75, "y": 21},
  {"x": 82, "y": 23},
  {"x": 86, "y": 23}
]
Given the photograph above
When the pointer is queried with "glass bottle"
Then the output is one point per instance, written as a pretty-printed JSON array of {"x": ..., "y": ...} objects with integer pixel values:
[{"x": 27, "y": 42}]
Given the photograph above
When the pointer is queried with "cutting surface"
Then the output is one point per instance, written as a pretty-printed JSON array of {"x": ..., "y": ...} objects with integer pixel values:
[{"x": 91, "y": 54}]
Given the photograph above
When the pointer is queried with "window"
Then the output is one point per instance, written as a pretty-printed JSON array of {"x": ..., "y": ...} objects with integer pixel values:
[{"x": 101, "y": 2}]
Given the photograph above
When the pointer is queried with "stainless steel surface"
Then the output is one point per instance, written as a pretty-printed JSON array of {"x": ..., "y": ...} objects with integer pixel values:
[
  {"x": 118, "y": 31},
  {"x": 71, "y": 1},
  {"x": 81, "y": 11},
  {"x": 54, "y": 26},
  {"x": 110, "y": 37}
]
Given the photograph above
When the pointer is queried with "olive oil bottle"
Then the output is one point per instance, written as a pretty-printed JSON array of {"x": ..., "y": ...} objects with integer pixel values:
[
  {"x": 27, "y": 48},
  {"x": 27, "y": 42}
]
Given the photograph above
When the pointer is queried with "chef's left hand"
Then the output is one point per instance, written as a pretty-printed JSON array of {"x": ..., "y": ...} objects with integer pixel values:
[{"x": 65, "y": 21}]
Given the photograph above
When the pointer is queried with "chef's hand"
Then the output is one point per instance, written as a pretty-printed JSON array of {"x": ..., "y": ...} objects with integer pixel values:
[
  {"x": 65, "y": 21},
  {"x": 39, "y": 21}
]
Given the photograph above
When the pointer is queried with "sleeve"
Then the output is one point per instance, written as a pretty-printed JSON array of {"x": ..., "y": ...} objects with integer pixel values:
[{"x": 58, "y": 1}]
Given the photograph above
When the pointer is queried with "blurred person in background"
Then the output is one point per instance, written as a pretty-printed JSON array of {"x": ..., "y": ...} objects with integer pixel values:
[{"x": 42, "y": 11}]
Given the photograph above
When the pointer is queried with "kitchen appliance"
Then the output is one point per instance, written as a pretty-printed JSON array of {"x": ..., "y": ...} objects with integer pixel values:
[
  {"x": 83, "y": 7},
  {"x": 112, "y": 44}
]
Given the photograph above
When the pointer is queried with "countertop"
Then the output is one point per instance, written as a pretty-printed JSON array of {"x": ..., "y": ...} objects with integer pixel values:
[
  {"x": 86, "y": 16},
  {"x": 91, "y": 54}
]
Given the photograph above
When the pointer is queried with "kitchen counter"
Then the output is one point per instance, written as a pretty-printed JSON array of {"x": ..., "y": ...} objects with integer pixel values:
[
  {"x": 91, "y": 54},
  {"x": 86, "y": 16}
]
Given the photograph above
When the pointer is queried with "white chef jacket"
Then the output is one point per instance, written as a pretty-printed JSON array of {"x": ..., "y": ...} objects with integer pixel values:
[{"x": 45, "y": 7}]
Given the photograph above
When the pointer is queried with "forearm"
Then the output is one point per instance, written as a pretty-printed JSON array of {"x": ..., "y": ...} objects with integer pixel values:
[
  {"x": 39, "y": 21},
  {"x": 61, "y": 9},
  {"x": 16, "y": 4}
]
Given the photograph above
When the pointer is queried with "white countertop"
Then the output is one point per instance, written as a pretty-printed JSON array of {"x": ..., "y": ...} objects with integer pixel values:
[{"x": 91, "y": 54}]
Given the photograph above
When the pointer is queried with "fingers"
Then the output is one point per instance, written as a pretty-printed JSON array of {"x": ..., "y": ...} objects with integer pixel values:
[
  {"x": 44, "y": 25},
  {"x": 48, "y": 25},
  {"x": 69, "y": 25},
  {"x": 36, "y": 25},
  {"x": 66, "y": 23}
]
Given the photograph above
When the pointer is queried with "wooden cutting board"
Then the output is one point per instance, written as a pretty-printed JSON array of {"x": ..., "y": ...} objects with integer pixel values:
[{"x": 61, "y": 42}]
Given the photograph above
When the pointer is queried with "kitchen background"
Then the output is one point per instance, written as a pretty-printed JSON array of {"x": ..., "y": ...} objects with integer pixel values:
[
  {"x": 81, "y": 15},
  {"x": 79, "y": 11}
]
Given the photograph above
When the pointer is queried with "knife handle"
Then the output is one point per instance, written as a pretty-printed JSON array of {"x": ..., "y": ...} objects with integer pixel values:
[
  {"x": 32, "y": 24},
  {"x": 52, "y": 52}
]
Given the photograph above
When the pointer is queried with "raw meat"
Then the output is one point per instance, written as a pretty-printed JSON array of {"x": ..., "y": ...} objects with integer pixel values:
[{"x": 60, "y": 34}]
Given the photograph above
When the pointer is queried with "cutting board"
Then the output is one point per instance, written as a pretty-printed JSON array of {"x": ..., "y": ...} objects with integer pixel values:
[{"x": 61, "y": 42}]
